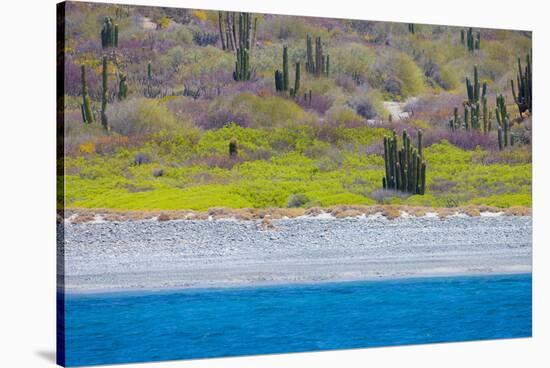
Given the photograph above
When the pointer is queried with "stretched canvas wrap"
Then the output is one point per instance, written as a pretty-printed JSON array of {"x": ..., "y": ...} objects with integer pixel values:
[{"x": 233, "y": 183}]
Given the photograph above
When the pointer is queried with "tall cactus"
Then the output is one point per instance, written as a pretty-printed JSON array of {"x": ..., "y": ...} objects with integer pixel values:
[
  {"x": 148, "y": 90},
  {"x": 279, "y": 84},
  {"x": 455, "y": 123},
  {"x": 320, "y": 64},
  {"x": 221, "y": 29},
  {"x": 104, "y": 91},
  {"x": 473, "y": 42},
  {"x": 86, "y": 106},
  {"x": 523, "y": 98},
  {"x": 310, "y": 66},
  {"x": 242, "y": 64},
  {"x": 231, "y": 37},
  {"x": 503, "y": 121},
  {"x": 122, "y": 87},
  {"x": 285, "y": 68},
  {"x": 282, "y": 83},
  {"x": 405, "y": 168},
  {"x": 473, "y": 90},
  {"x": 294, "y": 91},
  {"x": 109, "y": 33}
]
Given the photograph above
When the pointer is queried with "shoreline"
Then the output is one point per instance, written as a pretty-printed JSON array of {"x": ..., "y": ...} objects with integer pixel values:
[
  {"x": 150, "y": 255},
  {"x": 220, "y": 287},
  {"x": 85, "y": 215}
]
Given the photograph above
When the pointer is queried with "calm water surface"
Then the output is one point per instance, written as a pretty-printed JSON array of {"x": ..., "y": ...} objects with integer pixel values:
[{"x": 200, "y": 323}]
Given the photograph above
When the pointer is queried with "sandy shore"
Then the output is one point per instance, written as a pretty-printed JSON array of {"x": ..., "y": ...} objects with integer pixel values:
[{"x": 148, "y": 254}]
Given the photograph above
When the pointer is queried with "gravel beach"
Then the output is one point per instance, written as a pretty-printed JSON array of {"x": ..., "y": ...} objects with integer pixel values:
[{"x": 149, "y": 254}]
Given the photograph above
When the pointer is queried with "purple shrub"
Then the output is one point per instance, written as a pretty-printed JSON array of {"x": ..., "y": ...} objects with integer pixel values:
[
  {"x": 464, "y": 139},
  {"x": 187, "y": 108},
  {"x": 255, "y": 87},
  {"x": 219, "y": 118},
  {"x": 92, "y": 47},
  {"x": 73, "y": 85},
  {"x": 319, "y": 103},
  {"x": 346, "y": 82}
]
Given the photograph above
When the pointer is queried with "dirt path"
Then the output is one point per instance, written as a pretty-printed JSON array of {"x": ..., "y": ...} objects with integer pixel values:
[{"x": 396, "y": 109}]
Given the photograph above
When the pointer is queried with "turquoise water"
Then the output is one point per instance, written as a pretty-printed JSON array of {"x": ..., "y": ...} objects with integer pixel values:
[{"x": 200, "y": 323}]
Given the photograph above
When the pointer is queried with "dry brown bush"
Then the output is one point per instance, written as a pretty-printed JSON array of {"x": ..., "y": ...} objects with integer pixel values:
[
  {"x": 348, "y": 213},
  {"x": 163, "y": 217},
  {"x": 518, "y": 211},
  {"x": 391, "y": 212}
]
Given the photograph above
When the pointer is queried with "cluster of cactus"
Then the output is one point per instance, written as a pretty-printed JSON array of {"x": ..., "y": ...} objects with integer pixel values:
[
  {"x": 233, "y": 148},
  {"x": 476, "y": 114},
  {"x": 525, "y": 87},
  {"x": 472, "y": 108},
  {"x": 505, "y": 138},
  {"x": 468, "y": 38},
  {"x": 109, "y": 33},
  {"x": 321, "y": 63},
  {"x": 405, "y": 168},
  {"x": 242, "y": 65},
  {"x": 411, "y": 28},
  {"x": 86, "y": 106},
  {"x": 230, "y": 39},
  {"x": 122, "y": 87},
  {"x": 104, "y": 91},
  {"x": 281, "y": 78}
]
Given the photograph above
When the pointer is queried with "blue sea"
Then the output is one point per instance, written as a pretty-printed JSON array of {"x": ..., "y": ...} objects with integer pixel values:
[{"x": 201, "y": 323}]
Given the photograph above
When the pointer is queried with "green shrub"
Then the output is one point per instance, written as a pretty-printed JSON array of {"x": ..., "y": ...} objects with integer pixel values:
[
  {"x": 343, "y": 115},
  {"x": 352, "y": 59},
  {"x": 409, "y": 74},
  {"x": 268, "y": 112},
  {"x": 297, "y": 200},
  {"x": 141, "y": 116}
]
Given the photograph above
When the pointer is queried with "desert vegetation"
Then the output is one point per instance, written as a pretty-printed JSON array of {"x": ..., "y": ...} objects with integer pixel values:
[{"x": 173, "y": 110}]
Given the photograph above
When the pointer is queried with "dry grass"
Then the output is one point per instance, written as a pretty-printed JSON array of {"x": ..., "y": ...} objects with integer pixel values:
[
  {"x": 471, "y": 211},
  {"x": 82, "y": 218},
  {"x": 164, "y": 217},
  {"x": 391, "y": 212},
  {"x": 348, "y": 213},
  {"x": 314, "y": 211},
  {"x": 518, "y": 211},
  {"x": 279, "y": 213},
  {"x": 445, "y": 212}
]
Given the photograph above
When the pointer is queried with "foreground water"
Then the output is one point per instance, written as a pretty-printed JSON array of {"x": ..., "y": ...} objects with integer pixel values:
[{"x": 200, "y": 323}]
